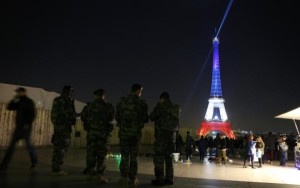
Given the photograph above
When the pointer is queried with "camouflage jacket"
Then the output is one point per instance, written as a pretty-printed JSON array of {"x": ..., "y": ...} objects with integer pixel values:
[
  {"x": 97, "y": 116},
  {"x": 166, "y": 117},
  {"x": 131, "y": 115},
  {"x": 63, "y": 114}
]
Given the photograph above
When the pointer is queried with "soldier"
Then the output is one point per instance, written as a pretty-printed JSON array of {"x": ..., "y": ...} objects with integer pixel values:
[
  {"x": 131, "y": 115},
  {"x": 166, "y": 117},
  {"x": 25, "y": 115},
  {"x": 63, "y": 117},
  {"x": 97, "y": 117}
]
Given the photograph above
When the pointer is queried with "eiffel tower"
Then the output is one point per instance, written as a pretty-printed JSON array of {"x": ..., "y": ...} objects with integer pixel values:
[{"x": 216, "y": 117}]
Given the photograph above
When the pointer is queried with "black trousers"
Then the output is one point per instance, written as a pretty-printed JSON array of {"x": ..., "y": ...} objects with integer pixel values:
[{"x": 18, "y": 135}]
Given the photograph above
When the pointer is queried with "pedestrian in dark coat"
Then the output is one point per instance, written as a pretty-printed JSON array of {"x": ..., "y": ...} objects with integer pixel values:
[{"x": 25, "y": 114}]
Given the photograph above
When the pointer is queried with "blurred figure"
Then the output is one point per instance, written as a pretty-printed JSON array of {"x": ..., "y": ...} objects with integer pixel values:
[
  {"x": 270, "y": 146},
  {"x": 63, "y": 117},
  {"x": 260, "y": 147},
  {"x": 131, "y": 115},
  {"x": 283, "y": 149},
  {"x": 179, "y": 143},
  {"x": 189, "y": 144},
  {"x": 231, "y": 146},
  {"x": 166, "y": 117},
  {"x": 202, "y": 147},
  {"x": 222, "y": 150},
  {"x": 250, "y": 151},
  {"x": 97, "y": 117},
  {"x": 210, "y": 145},
  {"x": 25, "y": 114},
  {"x": 217, "y": 145}
]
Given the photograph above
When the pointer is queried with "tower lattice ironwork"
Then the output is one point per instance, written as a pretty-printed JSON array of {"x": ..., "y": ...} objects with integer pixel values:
[{"x": 216, "y": 117}]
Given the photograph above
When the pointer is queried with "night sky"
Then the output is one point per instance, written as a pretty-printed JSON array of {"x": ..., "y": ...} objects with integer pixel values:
[{"x": 162, "y": 45}]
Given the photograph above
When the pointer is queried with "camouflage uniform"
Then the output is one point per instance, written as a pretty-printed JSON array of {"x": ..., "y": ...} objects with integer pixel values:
[
  {"x": 97, "y": 117},
  {"x": 166, "y": 117},
  {"x": 131, "y": 115},
  {"x": 63, "y": 117}
]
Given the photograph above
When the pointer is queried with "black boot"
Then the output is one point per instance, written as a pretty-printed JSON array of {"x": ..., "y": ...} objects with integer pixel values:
[
  {"x": 157, "y": 182},
  {"x": 259, "y": 161}
]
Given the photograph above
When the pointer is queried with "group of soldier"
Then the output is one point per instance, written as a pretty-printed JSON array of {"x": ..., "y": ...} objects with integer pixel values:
[{"x": 131, "y": 113}]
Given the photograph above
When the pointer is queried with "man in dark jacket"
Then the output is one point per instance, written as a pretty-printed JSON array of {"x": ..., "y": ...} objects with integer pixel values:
[{"x": 25, "y": 114}]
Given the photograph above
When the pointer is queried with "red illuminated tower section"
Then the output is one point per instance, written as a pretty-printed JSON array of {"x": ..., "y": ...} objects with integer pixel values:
[{"x": 216, "y": 117}]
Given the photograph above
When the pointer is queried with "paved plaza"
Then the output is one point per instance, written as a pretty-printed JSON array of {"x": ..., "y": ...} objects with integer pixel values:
[{"x": 186, "y": 175}]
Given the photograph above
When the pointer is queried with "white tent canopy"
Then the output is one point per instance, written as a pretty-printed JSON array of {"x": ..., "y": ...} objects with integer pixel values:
[
  {"x": 43, "y": 99},
  {"x": 293, "y": 114}
]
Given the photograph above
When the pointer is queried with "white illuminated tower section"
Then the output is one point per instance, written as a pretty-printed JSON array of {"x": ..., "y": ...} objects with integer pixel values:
[{"x": 216, "y": 109}]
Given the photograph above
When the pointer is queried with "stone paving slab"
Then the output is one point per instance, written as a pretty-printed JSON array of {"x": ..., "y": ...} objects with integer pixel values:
[{"x": 192, "y": 175}]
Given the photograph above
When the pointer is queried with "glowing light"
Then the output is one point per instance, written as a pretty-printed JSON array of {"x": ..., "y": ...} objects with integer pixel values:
[
  {"x": 216, "y": 107},
  {"x": 224, "y": 17},
  {"x": 216, "y": 89},
  {"x": 212, "y": 126},
  {"x": 216, "y": 117}
]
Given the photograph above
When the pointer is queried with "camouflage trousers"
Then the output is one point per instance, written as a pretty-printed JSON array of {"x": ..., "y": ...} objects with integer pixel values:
[
  {"x": 61, "y": 143},
  {"x": 97, "y": 148},
  {"x": 163, "y": 160},
  {"x": 130, "y": 147}
]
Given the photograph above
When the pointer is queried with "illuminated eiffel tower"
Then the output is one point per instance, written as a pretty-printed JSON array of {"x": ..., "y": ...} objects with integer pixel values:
[{"x": 216, "y": 117}]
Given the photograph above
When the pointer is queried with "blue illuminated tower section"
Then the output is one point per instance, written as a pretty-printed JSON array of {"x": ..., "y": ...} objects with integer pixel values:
[
  {"x": 216, "y": 109},
  {"x": 216, "y": 88}
]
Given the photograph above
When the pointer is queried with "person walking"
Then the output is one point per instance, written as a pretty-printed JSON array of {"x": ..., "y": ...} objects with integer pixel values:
[
  {"x": 131, "y": 115},
  {"x": 63, "y": 117},
  {"x": 166, "y": 117},
  {"x": 97, "y": 117},
  {"x": 25, "y": 115}
]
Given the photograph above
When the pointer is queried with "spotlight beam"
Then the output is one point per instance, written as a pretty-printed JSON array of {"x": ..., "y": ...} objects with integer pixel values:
[{"x": 224, "y": 17}]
